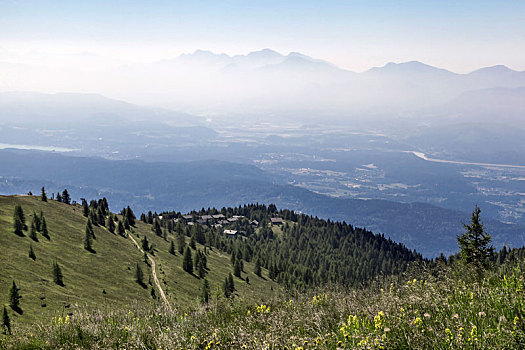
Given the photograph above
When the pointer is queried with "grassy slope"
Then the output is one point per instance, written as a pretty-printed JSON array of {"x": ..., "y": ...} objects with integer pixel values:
[{"x": 86, "y": 275}]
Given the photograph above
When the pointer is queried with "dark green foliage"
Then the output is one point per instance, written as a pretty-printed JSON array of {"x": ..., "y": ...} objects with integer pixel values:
[
  {"x": 32, "y": 231},
  {"x": 139, "y": 276},
  {"x": 187, "y": 263},
  {"x": 43, "y": 226},
  {"x": 193, "y": 242},
  {"x": 66, "y": 198},
  {"x": 88, "y": 237},
  {"x": 37, "y": 220},
  {"x": 18, "y": 227},
  {"x": 19, "y": 220},
  {"x": 43, "y": 196},
  {"x": 110, "y": 224},
  {"x": 128, "y": 214},
  {"x": 257, "y": 269},
  {"x": 153, "y": 294},
  {"x": 237, "y": 268},
  {"x": 475, "y": 244},
  {"x": 171, "y": 250},
  {"x": 58, "y": 278},
  {"x": 59, "y": 197},
  {"x": 32, "y": 254},
  {"x": 145, "y": 244},
  {"x": 228, "y": 287},
  {"x": 120, "y": 229},
  {"x": 205, "y": 291},
  {"x": 181, "y": 243},
  {"x": 156, "y": 228},
  {"x": 85, "y": 207},
  {"x": 14, "y": 298},
  {"x": 6, "y": 323},
  {"x": 200, "y": 263}
]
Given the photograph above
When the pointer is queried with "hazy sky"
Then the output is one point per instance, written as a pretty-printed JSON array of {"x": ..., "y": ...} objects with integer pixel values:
[{"x": 456, "y": 35}]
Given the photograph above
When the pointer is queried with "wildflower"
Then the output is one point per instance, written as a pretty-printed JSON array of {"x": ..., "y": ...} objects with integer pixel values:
[
  {"x": 426, "y": 314},
  {"x": 473, "y": 334},
  {"x": 418, "y": 322},
  {"x": 379, "y": 320},
  {"x": 449, "y": 335},
  {"x": 481, "y": 314}
]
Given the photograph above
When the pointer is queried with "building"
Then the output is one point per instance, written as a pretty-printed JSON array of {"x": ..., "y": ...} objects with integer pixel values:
[
  {"x": 230, "y": 232},
  {"x": 276, "y": 221}
]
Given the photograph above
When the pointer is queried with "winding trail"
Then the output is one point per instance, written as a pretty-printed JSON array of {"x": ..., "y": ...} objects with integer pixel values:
[{"x": 154, "y": 272}]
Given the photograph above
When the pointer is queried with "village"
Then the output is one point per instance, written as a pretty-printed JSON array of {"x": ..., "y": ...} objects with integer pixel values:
[{"x": 221, "y": 221}]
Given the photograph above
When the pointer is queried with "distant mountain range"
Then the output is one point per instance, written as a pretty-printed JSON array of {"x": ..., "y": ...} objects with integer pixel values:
[{"x": 208, "y": 83}]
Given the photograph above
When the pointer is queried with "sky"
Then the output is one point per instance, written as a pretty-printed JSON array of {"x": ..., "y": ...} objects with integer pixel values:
[{"x": 457, "y": 35}]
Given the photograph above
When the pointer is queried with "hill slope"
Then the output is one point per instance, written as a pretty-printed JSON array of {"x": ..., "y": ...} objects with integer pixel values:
[{"x": 110, "y": 269}]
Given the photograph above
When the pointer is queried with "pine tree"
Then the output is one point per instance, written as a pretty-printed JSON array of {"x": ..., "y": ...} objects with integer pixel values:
[
  {"x": 145, "y": 244},
  {"x": 226, "y": 288},
  {"x": 172, "y": 248},
  {"x": 156, "y": 228},
  {"x": 32, "y": 232},
  {"x": 110, "y": 224},
  {"x": 187, "y": 263},
  {"x": 139, "y": 276},
  {"x": 205, "y": 291},
  {"x": 14, "y": 297},
  {"x": 32, "y": 254},
  {"x": 181, "y": 242},
  {"x": 43, "y": 196},
  {"x": 18, "y": 227},
  {"x": 231, "y": 285},
  {"x": 88, "y": 238},
  {"x": 58, "y": 197},
  {"x": 120, "y": 229},
  {"x": 36, "y": 220},
  {"x": 19, "y": 213},
  {"x": 58, "y": 278},
  {"x": 237, "y": 268},
  {"x": 85, "y": 207},
  {"x": 257, "y": 269},
  {"x": 475, "y": 244},
  {"x": 153, "y": 295},
  {"x": 6, "y": 322},
  {"x": 43, "y": 227},
  {"x": 193, "y": 242},
  {"x": 66, "y": 198},
  {"x": 89, "y": 228}
]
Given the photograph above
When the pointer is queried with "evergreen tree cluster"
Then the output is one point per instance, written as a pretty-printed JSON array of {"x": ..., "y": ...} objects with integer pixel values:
[{"x": 308, "y": 252}]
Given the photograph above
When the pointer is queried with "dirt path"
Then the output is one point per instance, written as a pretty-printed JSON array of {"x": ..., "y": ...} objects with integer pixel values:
[{"x": 154, "y": 272}]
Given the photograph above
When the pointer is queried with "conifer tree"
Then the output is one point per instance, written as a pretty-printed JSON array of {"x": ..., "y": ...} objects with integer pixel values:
[
  {"x": 145, "y": 244},
  {"x": 181, "y": 242},
  {"x": 32, "y": 232},
  {"x": 58, "y": 278},
  {"x": 43, "y": 196},
  {"x": 139, "y": 276},
  {"x": 205, "y": 291},
  {"x": 475, "y": 244},
  {"x": 226, "y": 288},
  {"x": 66, "y": 198},
  {"x": 153, "y": 295},
  {"x": 19, "y": 213},
  {"x": 110, "y": 224},
  {"x": 156, "y": 228},
  {"x": 6, "y": 322},
  {"x": 14, "y": 297},
  {"x": 172, "y": 248},
  {"x": 187, "y": 263},
  {"x": 32, "y": 254},
  {"x": 231, "y": 285},
  {"x": 18, "y": 227},
  {"x": 36, "y": 220},
  {"x": 120, "y": 229},
  {"x": 237, "y": 268},
  {"x": 88, "y": 239},
  {"x": 58, "y": 197},
  {"x": 89, "y": 228},
  {"x": 85, "y": 207},
  {"x": 43, "y": 227},
  {"x": 193, "y": 242}
]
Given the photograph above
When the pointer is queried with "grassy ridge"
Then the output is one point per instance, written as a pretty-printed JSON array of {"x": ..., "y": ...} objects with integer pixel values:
[
  {"x": 443, "y": 312},
  {"x": 87, "y": 275}
]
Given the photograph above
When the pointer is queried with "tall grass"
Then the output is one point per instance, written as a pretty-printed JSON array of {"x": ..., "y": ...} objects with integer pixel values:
[{"x": 446, "y": 310}]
